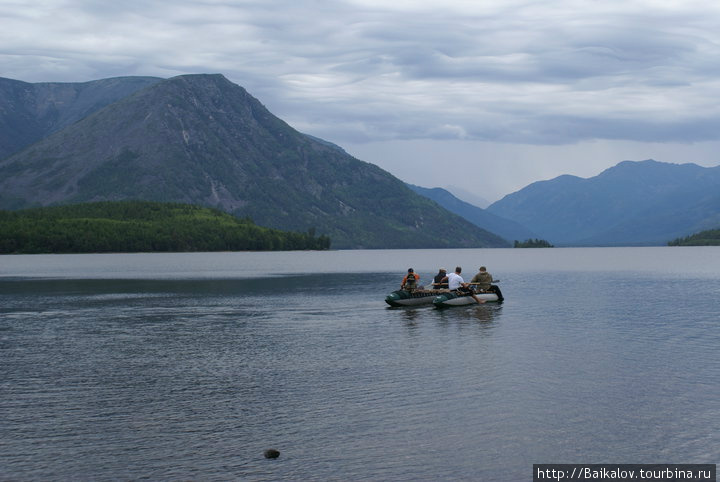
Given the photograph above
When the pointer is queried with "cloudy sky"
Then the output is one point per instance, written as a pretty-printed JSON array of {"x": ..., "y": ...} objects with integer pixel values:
[{"x": 480, "y": 96}]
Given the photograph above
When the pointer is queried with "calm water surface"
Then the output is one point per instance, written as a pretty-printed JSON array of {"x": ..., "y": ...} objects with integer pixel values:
[{"x": 188, "y": 366}]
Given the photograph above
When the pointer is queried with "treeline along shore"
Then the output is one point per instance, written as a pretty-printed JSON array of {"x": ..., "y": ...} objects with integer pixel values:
[
  {"x": 140, "y": 226},
  {"x": 710, "y": 237}
]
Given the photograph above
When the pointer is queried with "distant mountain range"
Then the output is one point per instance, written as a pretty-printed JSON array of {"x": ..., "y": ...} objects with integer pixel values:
[
  {"x": 472, "y": 198},
  {"x": 201, "y": 139},
  {"x": 507, "y": 229},
  {"x": 632, "y": 203}
]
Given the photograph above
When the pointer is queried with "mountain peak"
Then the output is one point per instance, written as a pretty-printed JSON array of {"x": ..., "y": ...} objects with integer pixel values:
[
  {"x": 202, "y": 80},
  {"x": 201, "y": 139},
  {"x": 646, "y": 202},
  {"x": 30, "y": 112}
]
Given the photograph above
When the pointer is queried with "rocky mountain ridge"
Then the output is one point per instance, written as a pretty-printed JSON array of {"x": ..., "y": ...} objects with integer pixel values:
[
  {"x": 201, "y": 139},
  {"x": 632, "y": 203}
]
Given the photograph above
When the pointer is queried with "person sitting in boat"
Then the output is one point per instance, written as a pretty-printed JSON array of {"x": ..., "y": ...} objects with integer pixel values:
[
  {"x": 409, "y": 282},
  {"x": 457, "y": 283},
  {"x": 438, "y": 280},
  {"x": 483, "y": 282}
]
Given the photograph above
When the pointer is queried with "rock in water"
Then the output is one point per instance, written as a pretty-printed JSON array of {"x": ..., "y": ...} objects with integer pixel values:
[{"x": 271, "y": 454}]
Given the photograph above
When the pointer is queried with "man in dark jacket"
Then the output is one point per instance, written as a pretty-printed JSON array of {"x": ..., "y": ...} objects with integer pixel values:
[{"x": 437, "y": 281}]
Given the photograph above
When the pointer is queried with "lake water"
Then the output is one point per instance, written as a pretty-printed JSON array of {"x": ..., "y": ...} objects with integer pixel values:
[{"x": 189, "y": 366}]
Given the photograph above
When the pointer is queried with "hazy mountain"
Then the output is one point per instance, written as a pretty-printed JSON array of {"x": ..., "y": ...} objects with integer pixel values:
[
  {"x": 29, "y": 112},
  {"x": 467, "y": 196},
  {"x": 201, "y": 139},
  {"x": 632, "y": 203},
  {"x": 507, "y": 229}
]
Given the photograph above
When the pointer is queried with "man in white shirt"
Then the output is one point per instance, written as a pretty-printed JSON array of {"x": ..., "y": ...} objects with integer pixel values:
[
  {"x": 454, "y": 280},
  {"x": 457, "y": 283}
]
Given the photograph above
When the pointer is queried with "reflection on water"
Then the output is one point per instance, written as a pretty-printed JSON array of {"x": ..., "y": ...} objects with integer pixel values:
[{"x": 194, "y": 377}]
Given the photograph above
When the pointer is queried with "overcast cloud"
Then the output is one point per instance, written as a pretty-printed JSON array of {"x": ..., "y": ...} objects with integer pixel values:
[{"x": 505, "y": 92}]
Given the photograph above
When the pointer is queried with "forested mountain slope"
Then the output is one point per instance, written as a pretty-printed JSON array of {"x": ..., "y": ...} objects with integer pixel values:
[{"x": 200, "y": 139}]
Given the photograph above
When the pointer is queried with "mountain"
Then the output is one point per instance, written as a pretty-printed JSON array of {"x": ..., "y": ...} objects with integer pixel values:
[
  {"x": 200, "y": 139},
  {"x": 30, "y": 112},
  {"x": 632, "y": 203},
  {"x": 468, "y": 196},
  {"x": 507, "y": 229}
]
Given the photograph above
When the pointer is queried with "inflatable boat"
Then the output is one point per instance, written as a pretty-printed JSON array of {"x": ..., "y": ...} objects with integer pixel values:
[
  {"x": 452, "y": 298},
  {"x": 411, "y": 298}
]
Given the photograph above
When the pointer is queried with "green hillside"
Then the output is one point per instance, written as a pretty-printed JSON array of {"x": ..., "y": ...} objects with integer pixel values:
[
  {"x": 140, "y": 226},
  {"x": 710, "y": 237}
]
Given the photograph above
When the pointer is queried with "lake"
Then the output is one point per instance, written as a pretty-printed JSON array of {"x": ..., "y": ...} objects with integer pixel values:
[{"x": 189, "y": 365}]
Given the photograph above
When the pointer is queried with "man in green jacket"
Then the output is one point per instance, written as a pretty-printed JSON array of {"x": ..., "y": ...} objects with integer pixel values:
[
  {"x": 483, "y": 282},
  {"x": 483, "y": 279}
]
